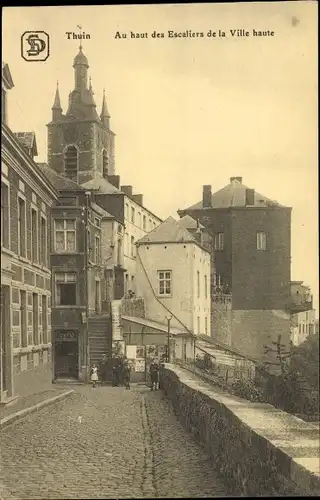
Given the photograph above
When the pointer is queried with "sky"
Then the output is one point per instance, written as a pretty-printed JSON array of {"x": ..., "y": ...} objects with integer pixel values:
[{"x": 189, "y": 111}]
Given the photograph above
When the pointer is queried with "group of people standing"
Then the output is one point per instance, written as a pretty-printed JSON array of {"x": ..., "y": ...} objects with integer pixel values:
[{"x": 121, "y": 372}]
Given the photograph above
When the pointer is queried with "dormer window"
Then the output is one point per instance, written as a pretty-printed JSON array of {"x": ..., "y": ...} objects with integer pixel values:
[
  {"x": 105, "y": 163},
  {"x": 71, "y": 163}
]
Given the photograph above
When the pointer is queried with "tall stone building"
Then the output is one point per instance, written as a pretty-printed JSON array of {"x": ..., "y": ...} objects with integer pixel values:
[
  {"x": 250, "y": 265},
  {"x": 26, "y": 200}
]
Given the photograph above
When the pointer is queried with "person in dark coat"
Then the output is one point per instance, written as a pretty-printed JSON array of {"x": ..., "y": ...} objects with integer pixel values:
[
  {"x": 115, "y": 372},
  {"x": 103, "y": 369},
  {"x": 126, "y": 373},
  {"x": 154, "y": 374}
]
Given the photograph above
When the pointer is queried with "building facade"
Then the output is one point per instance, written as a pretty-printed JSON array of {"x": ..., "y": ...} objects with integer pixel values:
[
  {"x": 26, "y": 200},
  {"x": 251, "y": 265},
  {"x": 173, "y": 277},
  {"x": 303, "y": 316}
]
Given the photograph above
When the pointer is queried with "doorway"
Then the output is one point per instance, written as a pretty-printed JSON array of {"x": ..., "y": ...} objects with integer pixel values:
[{"x": 66, "y": 354}]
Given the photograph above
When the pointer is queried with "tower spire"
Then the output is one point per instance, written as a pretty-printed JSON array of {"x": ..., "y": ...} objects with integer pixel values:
[
  {"x": 56, "y": 108},
  {"x": 105, "y": 116}
]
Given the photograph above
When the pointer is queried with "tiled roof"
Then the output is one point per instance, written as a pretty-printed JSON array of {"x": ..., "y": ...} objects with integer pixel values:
[
  {"x": 60, "y": 182},
  {"x": 102, "y": 185},
  {"x": 234, "y": 195},
  {"x": 169, "y": 231},
  {"x": 28, "y": 140},
  {"x": 189, "y": 223}
]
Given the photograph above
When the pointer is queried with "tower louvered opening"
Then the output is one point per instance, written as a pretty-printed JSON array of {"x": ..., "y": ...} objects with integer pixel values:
[{"x": 71, "y": 163}]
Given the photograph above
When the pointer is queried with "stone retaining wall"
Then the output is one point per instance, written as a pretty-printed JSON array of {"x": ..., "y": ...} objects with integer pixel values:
[{"x": 258, "y": 449}]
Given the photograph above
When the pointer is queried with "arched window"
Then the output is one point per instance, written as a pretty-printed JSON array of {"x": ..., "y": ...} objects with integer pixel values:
[
  {"x": 105, "y": 163},
  {"x": 71, "y": 163}
]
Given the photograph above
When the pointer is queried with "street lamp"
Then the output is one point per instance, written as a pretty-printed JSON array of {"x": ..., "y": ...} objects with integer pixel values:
[{"x": 168, "y": 318}]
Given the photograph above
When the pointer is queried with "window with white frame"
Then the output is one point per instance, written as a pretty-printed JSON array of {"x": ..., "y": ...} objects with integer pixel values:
[
  {"x": 164, "y": 283},
  {"x": 5, "y": 215},
  {"x": 218, "y": 241},
  {"x": 205, "y": 286},
  {"x": 97, "y": 250},
  {"x": 65, "y": 235},
  {"x": 133, "y": 217},
  {"x": 22, "y": 226},
  {"x": 66, "y": 289},
  {"x": 97, "y": 222},
  {"x": 261, "y": 241}
]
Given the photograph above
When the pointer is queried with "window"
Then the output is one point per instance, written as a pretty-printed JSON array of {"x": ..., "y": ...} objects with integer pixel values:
[
  {"x": 261, "y": 241},
  {"x": 43, "y": 241},
  {"x": 5, "y": 217},
  {"x": 97, "y": 250},
  {"x": 219, "y": 241},
  {"x": 23, "y": 315},
  {"x": 97, "y": 222},
  {"x": 22, "y": 226},
  {"x": 206, "y": 286},
  {"x": 71, "y": 163},
  {"x": 139, "y": 219},
  {"x": 105, "y": 163},
  {"x": 35, "y": 307},
  {"x": 66, "y": 289},
  {"x": 198, "y": 284},
  {"x": 206, "y": 325},
  {"x": 164, "y": 282},
  {"x": 44, "y": 319},
  {"x": 126, "y": 211},
  {"x": 34, "y": 235},
  {"x": 132, "y": 247},
  {"x": 198, "y": 324},
  {"x": 132, "y": 215},
  {"x": 126, "y": 243},
  {"x": 150, "y": 224},
  {"x": 65, "y": 235},
  {"x": 144, "y": 222}
]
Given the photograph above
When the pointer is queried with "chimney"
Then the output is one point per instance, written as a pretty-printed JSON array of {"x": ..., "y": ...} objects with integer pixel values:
[
  {"x": 114, "y": 180},
  {"x": 239, "y": 179},
  {"x": 138, "y": 198},
  {"x": 206, "y": 196},
  {"x": 249, "y": 196},
  {"x": 127, "y": 190}
]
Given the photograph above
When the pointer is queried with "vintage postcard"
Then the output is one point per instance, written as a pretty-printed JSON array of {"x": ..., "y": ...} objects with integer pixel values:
[{"x": 159, "y": 251}]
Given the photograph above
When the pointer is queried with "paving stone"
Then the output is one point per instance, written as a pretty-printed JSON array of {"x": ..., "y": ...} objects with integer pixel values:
[{"x": 104, "y": 443}]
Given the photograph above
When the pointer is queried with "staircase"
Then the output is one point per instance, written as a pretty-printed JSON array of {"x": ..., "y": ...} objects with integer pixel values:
[{"x": 100, "y": 341}]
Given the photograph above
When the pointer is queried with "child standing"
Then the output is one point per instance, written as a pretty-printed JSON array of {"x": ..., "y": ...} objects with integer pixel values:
[{"x": 94, "y": 375}]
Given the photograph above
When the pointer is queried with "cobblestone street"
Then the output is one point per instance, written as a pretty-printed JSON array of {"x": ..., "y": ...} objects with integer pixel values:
[{"x": 104, "y": 443}]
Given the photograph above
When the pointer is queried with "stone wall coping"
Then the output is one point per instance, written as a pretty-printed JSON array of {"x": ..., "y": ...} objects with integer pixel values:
[{"x": 297, "y": 439}]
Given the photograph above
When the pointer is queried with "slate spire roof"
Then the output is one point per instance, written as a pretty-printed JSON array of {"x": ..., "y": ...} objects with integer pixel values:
[
  {"x": 59, "y": 182},
  {"x": 169, "y": 231}
]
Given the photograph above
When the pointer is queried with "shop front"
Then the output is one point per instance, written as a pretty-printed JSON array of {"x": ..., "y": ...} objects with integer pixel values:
[{"x": 66, "y": 354}]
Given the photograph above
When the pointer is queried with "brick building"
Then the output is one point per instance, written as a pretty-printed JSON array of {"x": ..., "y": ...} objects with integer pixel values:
[
  {"x": 250, "y": 265},
  {"x": 26, "y": 200}
]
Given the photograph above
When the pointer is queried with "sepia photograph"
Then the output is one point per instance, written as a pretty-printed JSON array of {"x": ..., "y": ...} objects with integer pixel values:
[{"x": 159, "y": 251}]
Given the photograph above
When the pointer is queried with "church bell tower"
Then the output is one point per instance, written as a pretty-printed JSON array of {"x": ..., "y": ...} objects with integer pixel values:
[{"x": 80, "y": 142}]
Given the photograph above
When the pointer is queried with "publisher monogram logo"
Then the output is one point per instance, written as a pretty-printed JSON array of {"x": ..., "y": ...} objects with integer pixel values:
[{"x": 35, "y": 46}]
